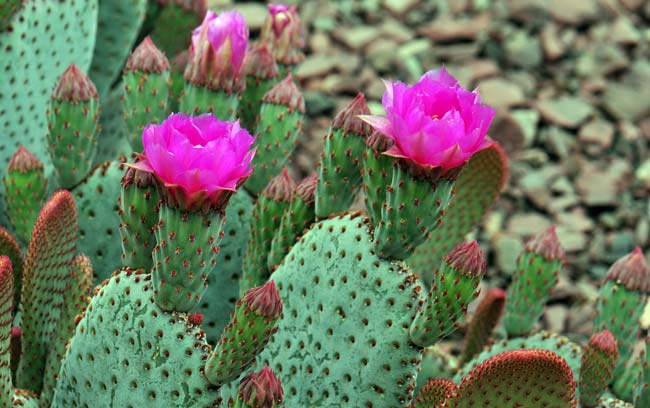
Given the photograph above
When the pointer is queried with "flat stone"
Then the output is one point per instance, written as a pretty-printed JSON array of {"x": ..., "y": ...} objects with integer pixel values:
[
  {"x": 624, "y": 32},
  {"x": 254, "y": 14},
  {"x": 400, "y": 7},
  {"x": 523, "y": 50},
  {"x": 630, "y": 99},
  {"x": 315, "y": 66},
  {"x": 555, "y": 317},
  {"x": 597, "y": 131},
  {"x": 500, "y": 93},
  {"x": 574, "y": 12},
  {"x": 396, "y": 31},
  {"x": 508, "y": 132},
  {"x": 600, "y": 186},
  {"x": 358, "y": 37},
  {"x": 450, "y": 30},
  {"x": 575, "y": 220},
  {"x": 528, "y": 120},
  {"x": 528, "y": 224},
  {"x": 507, "y": 249},
  {"x": 565, "y": 111},
  {"x": 572, "y": 241},
  {"x": 551, "y": 42}
]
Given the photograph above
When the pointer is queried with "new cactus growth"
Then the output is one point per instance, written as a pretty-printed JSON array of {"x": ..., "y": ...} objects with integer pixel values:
[
  {"x": 280, "y": 122},
  {"x": 146, "y": 90},
  {"x": 599, "y": 359},
  {"x": 6, "y": 318},
  {"x": 252, "y": 323},
  {"x": 260, "y": 390},
  {"x": 25, "y": 185},
  {"x": 538, "y": 267},
  {"x": 339, "y": 175},
  {"x": 274, "y": 200},
  {"x": 454, "y": 287},
  {"x": 483, "y": 322},
  {"x": 72, "y": 125}
]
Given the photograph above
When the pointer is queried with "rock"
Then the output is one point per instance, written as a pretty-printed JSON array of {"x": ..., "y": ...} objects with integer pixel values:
[
  {"x": 642, "y": 173},
  {"x": 507, "y": 249},
  {"x": 254, "y": 14},
  {"x": 528, "y": 120},
  {"x": 565, "y": 111},
  {"x": 500, "y": 93},
  {"x": 315, "y": 66},
  {"x": 358, "y": 37},
  {"x": 444, "y": 30},
  {"x": 572, "y": 241},
  {"x": 551, "y": 42},
  {"x": 527, "y": 224},
  {"x": 624, "y": 32},
  {"x": 630, "y": 99},
  {"x": 597, "y": 131},
  {"x": 575, "y": 220},
  {"x": 318, "y": 103},
  {"x": 396, "y": 31},
  {"x": 381, "y": 54},
  {"x": 523, "y": 50},
  {"x": 599, "y": 186},
  {"x": 574, "y": 12},
  {"x": 508, "y": 132},
  {"x": 555, "y": 317},
  {"x": 558, "y": 141},
  {"x": 400, "y": 7}
]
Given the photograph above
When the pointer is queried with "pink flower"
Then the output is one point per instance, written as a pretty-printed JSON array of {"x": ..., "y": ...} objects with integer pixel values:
[
  {"x": 435, "y": 122},
  {"x": 199, "y": 161},
  {"x": 218, "y": 49},
  {"x": 283, "y": 34}
]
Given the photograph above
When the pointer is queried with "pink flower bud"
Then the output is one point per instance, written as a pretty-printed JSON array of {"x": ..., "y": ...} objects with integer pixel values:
[
  {"x": 217, "y": 52},
  {"x": 435, "y": 123},
  {"x": 198, "y": 161},
  {"x": 283, "y": 34}
]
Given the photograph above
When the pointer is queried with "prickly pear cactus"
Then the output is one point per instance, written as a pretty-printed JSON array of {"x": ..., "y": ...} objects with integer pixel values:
[
  {"x": 155, "y": 358},
  {"x": 343, "y": 339},
  {"x": 97, "y": 202},
  {"x": 29, "y": 74}
]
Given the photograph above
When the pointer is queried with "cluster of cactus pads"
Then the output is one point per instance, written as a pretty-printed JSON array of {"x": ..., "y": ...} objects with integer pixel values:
[{"x": 287, "y": 297}]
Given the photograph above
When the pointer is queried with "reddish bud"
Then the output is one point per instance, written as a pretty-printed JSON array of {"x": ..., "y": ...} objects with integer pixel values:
[
  {"x": 379, "y": 142},
  {"x": 138, "y": 177},
  {"x": 148, "y": 58},
  {"x": 547, "y": 245},
  {"x": 467, "y": 259},
  {"x": 74, "y": 86},
  {"x": 307, "y": 188},
  {"x": 23, "y": 161},
  {"x": 262, "y": 389},
  {"x": 286, "y": 93},
  {"x": 195, "y": 319},
  {"x": 599, "y": 359},
  {"x": 631, "y": 271},
  {"x": 348, "y": 119},
  {"x": 259, "y": 63},
  {"x": 264, "y": 300},
  {"x": 280, "y": 188}
]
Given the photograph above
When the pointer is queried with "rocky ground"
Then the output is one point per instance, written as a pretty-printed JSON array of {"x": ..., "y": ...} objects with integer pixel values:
[{"x": 571, "y": 81}]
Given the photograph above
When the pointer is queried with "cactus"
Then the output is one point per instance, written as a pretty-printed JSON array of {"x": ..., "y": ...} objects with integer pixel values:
[
  {"x": 261, "y": 74},
  {"x": 6, "y": 312},
  {"x": 10, "y": 248},
  {"x": 435, "y": 393},
  {"x": 72, "y": 124},
  {"x": 339, "y": 172},
  {"x": 597, "y": 369},
  {"x": 538, "y": 267},
  {"x": 146, "y": 90},
  {"x": 25, "y": 187},
  {"x": 280, "y": 123},
  {"x": 483, "y": 322},
  {"x": 454, "y": 287}
]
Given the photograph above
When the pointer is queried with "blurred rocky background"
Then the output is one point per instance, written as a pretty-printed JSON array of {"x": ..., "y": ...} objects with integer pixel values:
[{"x": 571, "y": 81}]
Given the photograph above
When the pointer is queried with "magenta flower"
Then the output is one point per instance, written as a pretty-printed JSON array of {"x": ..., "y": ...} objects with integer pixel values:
[
  {"x": 217, "y": 52},
  {"x": 199, "y": 161},
  {"x": 435, "y": 122},
  {"x": 283, "y": 34}
]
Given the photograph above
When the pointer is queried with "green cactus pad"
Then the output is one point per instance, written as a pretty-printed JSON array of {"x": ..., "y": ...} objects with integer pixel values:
[
  {"x": 261, "y": 75},
  {"x": 187, "y": 244},
  {"x": 518, "y": 378},
  {"x": 598, "y": 362},
  {"x": 112, "y": 141},
  {"x": 569, "y": 351},
  {"x": 46, "y": 37},
  {"x": 339, "y": 171},
  {"x": 46, "y": 268},
  {"x": 10, "y": 247},
  {"x": 266, "y": 218},
  {"x": 280, "y": 123},
  {"x": 97, "y": 201},
  {"x": 25, "y": 399},
  {"x": 127, "y": 352},
  {"x": 642, "y": 386},
  {"x": 174, "y": 23},
  {"x": 118, "y": 24},
  {"x": 7, "y": 10},
  {"x": 454, "y": 287},
  {"x": 222, "y": 293},
  {"x": 196, "y": 100},
  {"x": 538, "y": 267},
  {"x": 343, "y": 338},
  {"x": 477, "y": 188}
]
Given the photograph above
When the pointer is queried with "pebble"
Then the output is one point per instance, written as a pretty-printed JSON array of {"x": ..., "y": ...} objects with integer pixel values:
[
  {"x": 574, "y": 12},
  {"x": 597, "y": 131},
  {"x": 527, "y": 224},
  {"x": 445, "y": 30},
  {"x": 500, "y": 93},
  {"x": 565, "y": 111}
]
